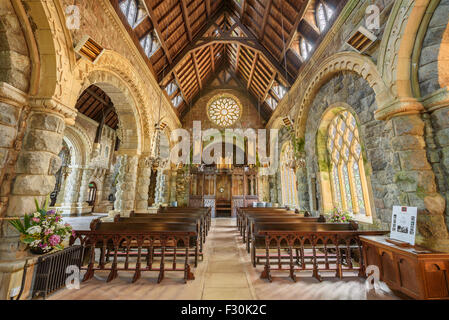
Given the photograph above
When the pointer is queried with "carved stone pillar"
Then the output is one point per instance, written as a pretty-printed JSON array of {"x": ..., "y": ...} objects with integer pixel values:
[
  {"x": 14, "y": 114},
  {"x": 73, "y": 187},
  {"x": 63, "y": 190},
  {"x": 126, "y": 185},
  {"x": 37, "y": 163},
  {"x": 416, "y": 181},
  {"x": 160, "y": 192},
  {"x": 84, "y": 187},
  {"x": 143, "y": 184},
  {"x": 173, "y": 185}
]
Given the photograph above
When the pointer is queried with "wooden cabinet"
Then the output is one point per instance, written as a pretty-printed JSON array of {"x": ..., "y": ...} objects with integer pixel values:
[{"x": 415, "y": 272}]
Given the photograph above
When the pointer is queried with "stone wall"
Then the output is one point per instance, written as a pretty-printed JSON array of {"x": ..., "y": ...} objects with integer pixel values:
[
  {"x": 348, "y": 89},
  {"x": 429, "y": 70}
]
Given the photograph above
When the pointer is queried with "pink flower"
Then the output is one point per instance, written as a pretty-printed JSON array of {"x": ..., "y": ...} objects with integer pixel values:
[
  {"x": 47, "y": 232},
  {"x": 54, "y": 240},
  {"x": 73, "y": 233},
  {"x": 36, "y": 220}
]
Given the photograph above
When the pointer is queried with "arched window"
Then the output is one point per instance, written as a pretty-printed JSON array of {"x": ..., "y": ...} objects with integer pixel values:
[
  {"x": 347, "y": 170},
  {"x": 323, "y": 15},
  {"x": 129, "y": 9},
  {"x": 306, "y": 47},
  {"x": 288, "y": 178}
]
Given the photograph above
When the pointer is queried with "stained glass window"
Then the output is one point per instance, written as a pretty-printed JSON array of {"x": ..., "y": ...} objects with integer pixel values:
[
  {"x": 349, "y": 184},
  {"x": 288, "y": 178},
  {"x": 129, "y": 9},
  {"x": 323, "y": 15},
  {"x": 224, "y": 111}
]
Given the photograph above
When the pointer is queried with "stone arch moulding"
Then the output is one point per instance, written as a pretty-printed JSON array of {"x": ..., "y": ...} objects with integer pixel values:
[
  {"x": 51, "y": 55},
  {"x": 118, "y": 78},
  {"x": 342, "y": 61},
  {"x": 81, "y": 143},
  {"x": 396, "y": 49}
]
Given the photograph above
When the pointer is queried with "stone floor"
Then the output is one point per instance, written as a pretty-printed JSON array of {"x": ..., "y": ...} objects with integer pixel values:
[{"x": 225, "y": 274}]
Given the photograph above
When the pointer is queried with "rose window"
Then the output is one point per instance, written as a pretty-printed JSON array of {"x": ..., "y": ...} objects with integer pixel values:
[{"x": 224, "y": 111}]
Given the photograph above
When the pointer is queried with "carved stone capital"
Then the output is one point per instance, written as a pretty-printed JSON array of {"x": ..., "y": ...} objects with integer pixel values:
[{"x": 53, "y": 106}]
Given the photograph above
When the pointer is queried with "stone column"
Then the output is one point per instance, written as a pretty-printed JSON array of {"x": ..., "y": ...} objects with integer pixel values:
[
  {"x": 126, "y": 186},
  {"x": 143, "y": 184},
  {"x": 14, "y": 115},
  {"x": 72, "y": 192},
  {"x": 416, "y": 181},
  {"x": 160, "y": 192},
  {"x": 64, "y": 186},
  {"x": 84, "y": 187},
  {"x": 173, "y": 186},
  {"x": 303, "y": 189}
]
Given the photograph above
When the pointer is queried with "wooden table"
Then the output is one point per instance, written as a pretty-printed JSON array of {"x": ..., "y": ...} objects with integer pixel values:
[{"x": 413, "y": 271}]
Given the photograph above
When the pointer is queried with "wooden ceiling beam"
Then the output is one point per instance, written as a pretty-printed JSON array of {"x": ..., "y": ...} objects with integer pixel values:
[
  {"x": 157, "y": 28},
  {"x": 273, "y": 77},
  {"x": 180, "y": 57},
  {"x": 290, "y": 38},
  {"x": 197, "y": 71},
  {"x": 186, "y": 19},
  {"x": 208, "y": 10},
  {"x": 265, "y": 19},
  {"x": 212, "y": 57}
]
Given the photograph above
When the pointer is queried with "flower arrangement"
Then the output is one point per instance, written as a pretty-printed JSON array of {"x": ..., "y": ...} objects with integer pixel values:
[
  {"x": 43, "y": 231},
  {"x": 339, "y": 216}
]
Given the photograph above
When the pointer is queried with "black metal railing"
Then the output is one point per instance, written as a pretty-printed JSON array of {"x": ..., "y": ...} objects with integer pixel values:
[{"x": 51, "y": 270}]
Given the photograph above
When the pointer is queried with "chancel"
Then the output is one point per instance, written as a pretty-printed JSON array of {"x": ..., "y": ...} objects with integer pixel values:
[{"x": 224, "y": 150}]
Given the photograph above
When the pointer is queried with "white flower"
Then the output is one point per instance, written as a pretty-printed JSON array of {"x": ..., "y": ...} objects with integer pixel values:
[
  {"x": 35, "y": 243},
  {"x": 34, "y": 230},
  {"x": 37, "y": 214}
]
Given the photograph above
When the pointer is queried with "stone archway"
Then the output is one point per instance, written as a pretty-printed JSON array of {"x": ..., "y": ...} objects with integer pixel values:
[{"x": 342, "y": 61}]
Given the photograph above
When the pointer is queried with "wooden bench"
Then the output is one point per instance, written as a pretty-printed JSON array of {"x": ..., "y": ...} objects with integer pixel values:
[
  {"x": 205, "y": 211},
  {"x": 247, "y": 214},
  {"x": 170, "y": 239},
  {"x": 196, "y": 219},
  {"x": 329, "y": 247},
  {"x": 253, "y": 219},
  {"x": 241, "y": 213}
]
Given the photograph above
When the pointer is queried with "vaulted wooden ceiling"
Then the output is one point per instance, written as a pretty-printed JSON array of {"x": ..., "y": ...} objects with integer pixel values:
[
  {"x": 256, "y": 39},
  {"x": 96, "y": 104}
]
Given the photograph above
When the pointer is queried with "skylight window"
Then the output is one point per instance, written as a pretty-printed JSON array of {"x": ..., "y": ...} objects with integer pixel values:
[
  {"x": 130, "y": 9},
  {"x": 177, "y": 101},
  {"x": 306, "y": 48},
  {"x": 150, "y": 44},
  {"x": 272, "y": 103},
  {"x": 323, "y": 15},
  {"x": 171, "y": 88},
  {"x": 279, "y": 91}
]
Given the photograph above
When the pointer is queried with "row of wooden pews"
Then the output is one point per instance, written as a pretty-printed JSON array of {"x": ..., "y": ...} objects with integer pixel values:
[
  {"x": 283, "y": 240},
  {"x": 164, "y": 242}
]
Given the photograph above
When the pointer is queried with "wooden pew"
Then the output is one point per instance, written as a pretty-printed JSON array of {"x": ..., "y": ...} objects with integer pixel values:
[
  {"x": 146, "y": 238},
  {"x": 335, "y": 241},
  {"x": 241, "y": 214},
  {"x": 253, "y": 219},
  {"x": 206, "y": 211},
  {"x": 247, "y": 213},
  {"x": 169, "y": 219}
]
